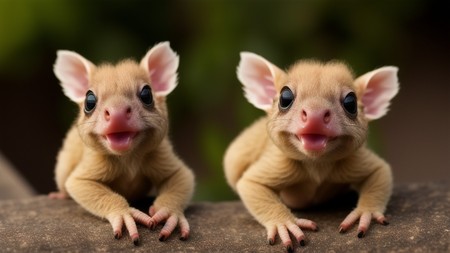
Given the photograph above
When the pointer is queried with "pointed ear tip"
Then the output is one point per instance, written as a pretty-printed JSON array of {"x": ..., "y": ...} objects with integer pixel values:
[
  {"x": 161, "y": 45},
  {"x": 392, "y": 69},
  {"x": 68, "y": 53},
  {"x": 248, "y": 54},
  {"x": 248, "y": 58},
  {"x": 62, "y": 52},
  {"x": 164, "y": 44}
]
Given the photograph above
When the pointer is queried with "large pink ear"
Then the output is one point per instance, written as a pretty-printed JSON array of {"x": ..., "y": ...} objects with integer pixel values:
[
  {"x": 377, "y": 88},
  {"x": 73, "y": 71},
  {"x": 258, "y": 77},
  {"x": 161, "y": 63}
]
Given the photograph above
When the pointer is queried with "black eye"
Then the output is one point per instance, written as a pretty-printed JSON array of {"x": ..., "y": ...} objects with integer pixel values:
[
  {"x": 90, "y": 102},
  {"x": 286, "y": 98},
  {"x": 350, "y": 105},
  {"x": 146, "y": 95}
]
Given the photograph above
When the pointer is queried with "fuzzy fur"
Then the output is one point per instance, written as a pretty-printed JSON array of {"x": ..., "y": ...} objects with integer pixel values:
[
  {"x": 272, "y": 171},
  {"x": 102, "y": 179}
]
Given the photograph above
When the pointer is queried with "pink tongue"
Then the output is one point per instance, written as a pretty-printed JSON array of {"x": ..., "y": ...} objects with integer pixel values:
[
  {"x": 120, "y": 141},
  {"x": 314, "y": 142}
]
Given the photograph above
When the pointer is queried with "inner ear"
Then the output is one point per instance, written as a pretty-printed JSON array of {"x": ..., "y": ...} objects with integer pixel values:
[
  {"x": 258, "y": 77},
  {"x": 376, "y": 90},
  {"x": 161, "y": 64},
  {"x": 73, "y": 71}
]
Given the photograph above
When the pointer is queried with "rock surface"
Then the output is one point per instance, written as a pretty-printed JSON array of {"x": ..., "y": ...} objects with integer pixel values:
[{"x": 418, "y": 215}]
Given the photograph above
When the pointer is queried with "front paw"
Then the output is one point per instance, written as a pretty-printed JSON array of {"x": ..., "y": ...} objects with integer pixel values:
[
  {"x": 172, "y": 219},
  {"x": 365, "y": 217},
  {"x": 129, "y": 218},
  {"x": 294, "y": 227}
]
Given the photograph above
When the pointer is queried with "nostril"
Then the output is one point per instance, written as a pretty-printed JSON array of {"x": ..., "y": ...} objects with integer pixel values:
[
  {"x": 107, "y": 114},
  {"x": 304, "y": 116},
  {"x": 128, "y": 111},
  {"x": 327, "y": 117}
]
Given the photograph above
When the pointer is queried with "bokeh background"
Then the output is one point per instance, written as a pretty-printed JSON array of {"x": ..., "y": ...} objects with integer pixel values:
[{"x": 208, "y": 109}]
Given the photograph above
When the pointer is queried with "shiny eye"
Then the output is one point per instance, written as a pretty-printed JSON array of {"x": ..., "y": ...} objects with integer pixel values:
[
  {"x": 350, "y": 105},
  {"x": 146, "y": 95},
  {"x": 286, "y": 98},
  {"x": 90, "y": 102}
]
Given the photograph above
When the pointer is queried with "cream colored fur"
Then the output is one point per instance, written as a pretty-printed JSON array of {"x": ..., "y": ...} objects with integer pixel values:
[
  {"x": 267, "y": 166},
  {"x": 103, "y": 180}
]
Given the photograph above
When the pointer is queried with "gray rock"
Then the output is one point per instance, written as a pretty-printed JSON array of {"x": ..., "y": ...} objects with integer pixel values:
[
  {"x": 12, "y": 185},
  {"x": 418, "y": 215}
]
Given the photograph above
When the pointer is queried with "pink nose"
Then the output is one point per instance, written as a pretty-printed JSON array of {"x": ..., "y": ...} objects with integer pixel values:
[
  {"x": 317, "y": 116},
  {"x": 121, "y": 114}
]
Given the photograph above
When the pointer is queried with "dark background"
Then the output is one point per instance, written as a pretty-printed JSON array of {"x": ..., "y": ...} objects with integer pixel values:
[{"x": 208, "y": 109}]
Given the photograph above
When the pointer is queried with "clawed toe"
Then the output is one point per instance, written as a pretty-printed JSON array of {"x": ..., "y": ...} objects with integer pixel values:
[{"x": 364, "y": 218}]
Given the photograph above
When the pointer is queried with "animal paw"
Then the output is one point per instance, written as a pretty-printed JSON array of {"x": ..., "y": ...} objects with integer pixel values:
[
  {"x": 172, "y": 219},
  {"x": 365, "y": 217},
  {"x": 129, "y": 218},
  {"x": 294, "y": 227}
]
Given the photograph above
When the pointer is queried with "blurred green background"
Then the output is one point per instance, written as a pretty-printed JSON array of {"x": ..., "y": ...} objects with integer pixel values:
[{"x": 208, "y": 109}]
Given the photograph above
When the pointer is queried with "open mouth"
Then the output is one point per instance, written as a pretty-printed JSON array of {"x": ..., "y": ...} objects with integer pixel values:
[
  {"x": 120, "y": 141},
  {"x": 314, "y": 142}
]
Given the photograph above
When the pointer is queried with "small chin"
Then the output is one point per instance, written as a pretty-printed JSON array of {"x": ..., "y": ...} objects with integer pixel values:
[
  {"x": 119, "y": 150},
  {"x": 310, "y": 153},
  {"x": 314, "y": 154}
]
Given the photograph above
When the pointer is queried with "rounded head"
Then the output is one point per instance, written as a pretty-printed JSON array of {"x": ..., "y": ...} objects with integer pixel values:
[
  {"x": 316, "y": 110},
  {"x": 122, "y": 106}
]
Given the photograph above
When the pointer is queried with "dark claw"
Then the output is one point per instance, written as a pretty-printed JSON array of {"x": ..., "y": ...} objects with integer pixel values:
[
  {"x": 183, "y": 238},
  {"x": 117, "y": 236},
  {"x": 341, "y": 230},
  {"x": 162, "y": 238},
  {"x": 361, "y": 234},
  {"x": 385, "y": 223},
  {"x": 316, "y": 230},
  {"x": 290, "y": 249},
  {"x": 136, "y": 242},
  {"x": 302, "y": 243},
  {"x": 271, "y": 241}
]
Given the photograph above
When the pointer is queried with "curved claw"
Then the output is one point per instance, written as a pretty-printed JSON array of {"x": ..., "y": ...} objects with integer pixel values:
[
  {"x": 172, "y": 220},
  {"x": 184, "y": 228},
  {"x": 365, "y": 219},
  {"x": 284, "y": 229},
  {"x": 118, "y": 220}
]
